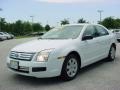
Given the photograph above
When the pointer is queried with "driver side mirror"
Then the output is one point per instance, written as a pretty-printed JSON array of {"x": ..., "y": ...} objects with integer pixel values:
[{"x": 87, "y": 37}]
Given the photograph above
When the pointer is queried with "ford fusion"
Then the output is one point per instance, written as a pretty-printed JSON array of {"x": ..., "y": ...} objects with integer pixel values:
[{"x": 63, "y": 51}]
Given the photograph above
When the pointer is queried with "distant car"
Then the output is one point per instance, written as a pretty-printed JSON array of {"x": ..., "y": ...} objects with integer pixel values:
[
  {"x": 41, "y": 33},
  {"x": 63, "y": 51},
  {"x": 117, "y": 33},
  {"x": 2, "y": 37},
  {"x": 12, "y": 36},
  {"x": 8, "y": 35}
]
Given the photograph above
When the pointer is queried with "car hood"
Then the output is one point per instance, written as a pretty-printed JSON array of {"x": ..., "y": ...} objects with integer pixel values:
[{"x": 39, "y": 45}]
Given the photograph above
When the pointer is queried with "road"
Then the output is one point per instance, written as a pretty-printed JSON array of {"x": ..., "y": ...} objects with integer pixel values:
[{"x": 99, "y": 76}]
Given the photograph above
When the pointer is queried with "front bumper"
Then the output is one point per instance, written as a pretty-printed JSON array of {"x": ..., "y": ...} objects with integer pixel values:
[
  {"x": 37, "y": 69},
  {"x": 2, "y": 38}
]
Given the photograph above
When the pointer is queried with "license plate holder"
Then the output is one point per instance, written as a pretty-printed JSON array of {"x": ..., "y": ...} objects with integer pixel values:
[{"x": 14, "y": 64}]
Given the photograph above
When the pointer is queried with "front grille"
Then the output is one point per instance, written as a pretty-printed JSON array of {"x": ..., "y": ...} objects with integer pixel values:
[{"x": 22, "y": 56}]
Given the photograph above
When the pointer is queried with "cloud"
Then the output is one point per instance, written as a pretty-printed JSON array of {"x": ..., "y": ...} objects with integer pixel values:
[{"x": 70, "y": 1}]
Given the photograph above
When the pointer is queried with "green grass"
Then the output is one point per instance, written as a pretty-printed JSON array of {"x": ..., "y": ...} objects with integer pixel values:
[{"x": 20, "y": 37}]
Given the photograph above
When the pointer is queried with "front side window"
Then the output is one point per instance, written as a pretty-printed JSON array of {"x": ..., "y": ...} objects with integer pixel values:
[
  {"x": 102, "y": 31},
  {"x": 90, "y": 30},
  {"x": 65, "y": 32}
]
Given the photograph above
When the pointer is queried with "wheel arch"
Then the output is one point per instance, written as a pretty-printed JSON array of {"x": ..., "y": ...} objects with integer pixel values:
[
  {"x": 77, "y": 54},
  {"x": 79, "y": 61},
  {"x": 114, "y": 45}
]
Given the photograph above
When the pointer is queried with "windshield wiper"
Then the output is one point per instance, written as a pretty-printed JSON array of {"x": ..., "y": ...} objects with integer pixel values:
[
  {"x": 53, "y": 38},
  {"x": 40, "y": 38},
  {"x": 47, "y": 38}
]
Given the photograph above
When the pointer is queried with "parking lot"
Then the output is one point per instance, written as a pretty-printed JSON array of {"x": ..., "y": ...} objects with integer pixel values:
[{"x": 99, "y": 76}]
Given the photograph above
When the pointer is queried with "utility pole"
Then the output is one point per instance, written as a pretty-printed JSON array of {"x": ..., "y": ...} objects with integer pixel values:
[
  {"x": 32, "y": 19},
  {"x": 0, "y": 19},
  {"x": 47, "y": 22},
  {"x": 100, "y": 12}
]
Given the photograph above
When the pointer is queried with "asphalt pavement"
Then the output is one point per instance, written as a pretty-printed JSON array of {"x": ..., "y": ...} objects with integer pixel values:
[{"x": 99, "y": 76}]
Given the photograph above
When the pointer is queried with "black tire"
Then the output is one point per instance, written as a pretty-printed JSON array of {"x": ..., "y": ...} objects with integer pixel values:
[
  {"x": 118, "y": 40},
  {"x": 1, "y": 39},
  {"x": 65, "y": 70},
  {"x": 110, "y": 56}
]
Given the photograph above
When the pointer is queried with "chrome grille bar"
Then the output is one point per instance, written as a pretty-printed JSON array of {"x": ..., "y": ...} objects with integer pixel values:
[{"x": 21, "y": 56}]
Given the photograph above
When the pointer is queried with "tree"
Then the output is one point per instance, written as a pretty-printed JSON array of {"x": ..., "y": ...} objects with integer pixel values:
[
  {"x": 27, "y": 28},
  {"x": 111, "y": 23},
  {"x": 64, "y": 22},
  {"x": 18, "y": 28},
  {"x": 47, "y": 27},
  {"x": 117, "y": 22},
  {"x": 82, "y": 21},
  {"x": 2, "y": 24},
  {"x": 37, "y": 27},
  {"x": 8, "y": 28}
]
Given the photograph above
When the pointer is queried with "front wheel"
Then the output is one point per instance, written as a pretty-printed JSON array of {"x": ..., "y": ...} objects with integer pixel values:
[
  {"x": 112, "y": 53},
  {"x": 70, "y": 67}
]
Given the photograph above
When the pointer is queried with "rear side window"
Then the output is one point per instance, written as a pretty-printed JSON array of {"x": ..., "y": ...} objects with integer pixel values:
[
  {"x": 90, "y": 30},
  {"x": 102, "y": 31}
]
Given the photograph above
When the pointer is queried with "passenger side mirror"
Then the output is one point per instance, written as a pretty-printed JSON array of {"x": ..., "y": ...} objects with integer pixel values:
[{"x": 87, "y": 37}]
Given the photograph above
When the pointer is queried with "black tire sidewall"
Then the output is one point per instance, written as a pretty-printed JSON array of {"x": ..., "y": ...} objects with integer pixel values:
[
  {"x": 109, "y": 56},
  {"x": 64, "y": 74}
]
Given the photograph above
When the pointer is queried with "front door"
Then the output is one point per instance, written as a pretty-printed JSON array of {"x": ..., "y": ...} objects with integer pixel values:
[{"x": 90, "y": 48}]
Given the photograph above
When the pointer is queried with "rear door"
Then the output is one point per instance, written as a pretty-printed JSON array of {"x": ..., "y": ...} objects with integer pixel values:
[{"x": 104, "y": 41}]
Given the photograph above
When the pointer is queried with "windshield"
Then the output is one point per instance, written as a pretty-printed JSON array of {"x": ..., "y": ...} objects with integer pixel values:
[{"x": 66, "y": 32}]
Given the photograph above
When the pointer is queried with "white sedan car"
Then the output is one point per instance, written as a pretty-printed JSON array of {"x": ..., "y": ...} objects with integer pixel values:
[
  {"x": 2, "y": 37},
  {"x": 63, "y": 51},
  {"x": 6, "y": 35}
]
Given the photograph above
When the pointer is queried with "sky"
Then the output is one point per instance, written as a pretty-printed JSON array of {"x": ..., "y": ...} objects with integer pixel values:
[{"x": 53, "y": 11}]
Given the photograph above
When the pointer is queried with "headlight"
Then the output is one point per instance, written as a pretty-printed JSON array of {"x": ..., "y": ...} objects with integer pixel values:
[{"x": 43, "y": 55}]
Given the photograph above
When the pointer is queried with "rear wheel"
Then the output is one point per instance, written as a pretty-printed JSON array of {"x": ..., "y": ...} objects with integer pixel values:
[
  {"x": 118, "y": 40},
  {"x": 112, "y": 52},
  {"x": 70, "y": 67}
]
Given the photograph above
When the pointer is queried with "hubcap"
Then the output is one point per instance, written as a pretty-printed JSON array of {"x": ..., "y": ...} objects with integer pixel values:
[
  {"x": 112, "y": 53},
  {"x": 72, "y": 67}
]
